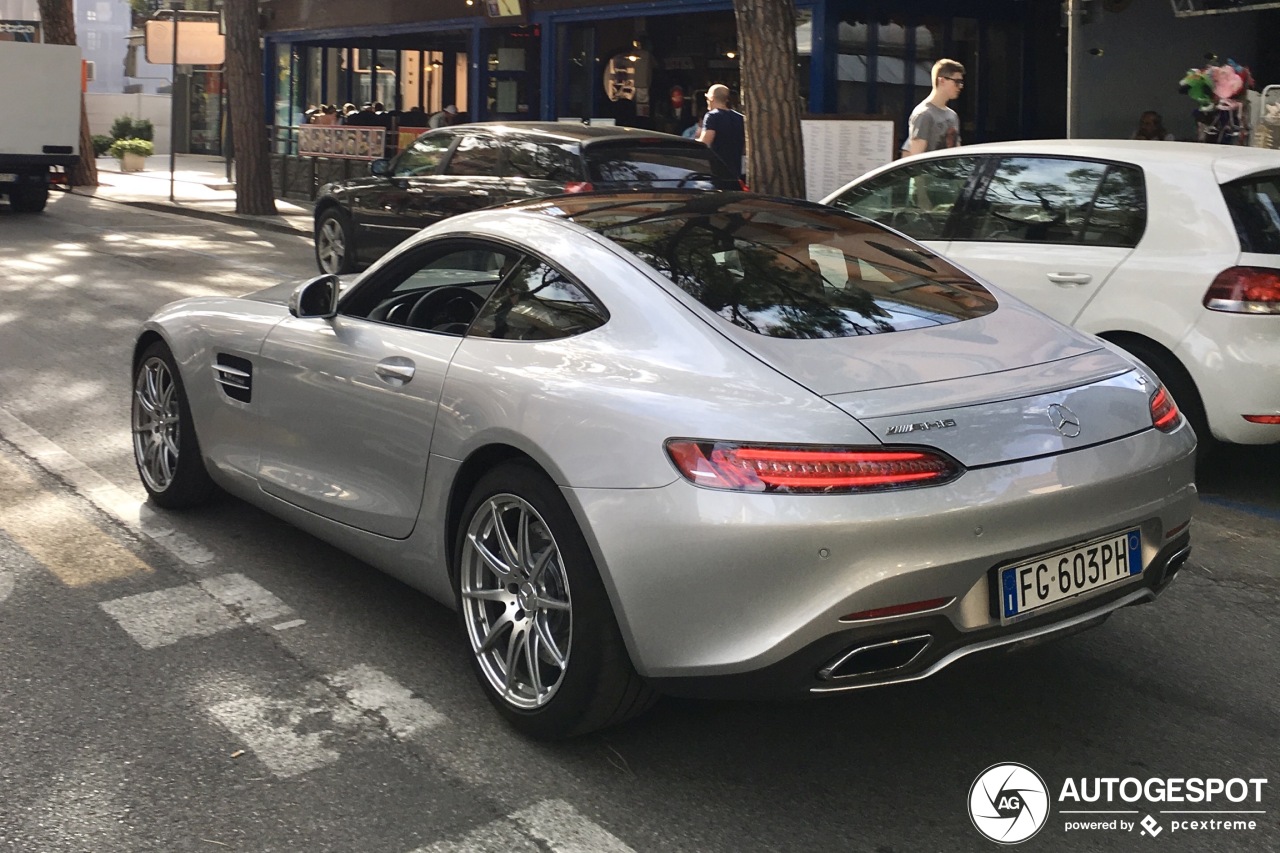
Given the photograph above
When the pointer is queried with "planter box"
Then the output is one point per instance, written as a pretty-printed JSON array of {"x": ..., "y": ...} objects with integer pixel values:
[{"x": 132, "y": 162}]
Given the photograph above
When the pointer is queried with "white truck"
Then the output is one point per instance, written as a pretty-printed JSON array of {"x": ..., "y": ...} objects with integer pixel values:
[{"x": 40, "y": 98}]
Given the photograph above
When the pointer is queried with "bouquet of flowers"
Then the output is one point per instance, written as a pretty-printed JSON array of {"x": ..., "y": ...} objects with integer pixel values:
[{"x": 1219, "y": 89}]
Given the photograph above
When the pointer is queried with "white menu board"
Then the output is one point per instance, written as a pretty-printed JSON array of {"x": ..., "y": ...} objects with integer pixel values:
[{"x": 838, "y": 150}]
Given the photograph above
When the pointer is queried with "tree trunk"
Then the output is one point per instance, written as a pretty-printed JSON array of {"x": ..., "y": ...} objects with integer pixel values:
[
  {"x": 58, "y": 20},
  {"x": 771, "y": 96},
  {"x": 254, "y": 193}
]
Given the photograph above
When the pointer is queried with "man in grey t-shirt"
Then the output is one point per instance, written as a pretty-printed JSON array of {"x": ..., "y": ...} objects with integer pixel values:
[{"x": 933, "y": 124}]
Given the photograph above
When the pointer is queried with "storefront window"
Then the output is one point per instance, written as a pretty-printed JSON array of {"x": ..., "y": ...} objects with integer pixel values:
[
  {"x": 512, "y": 68},
  {"x": 206, "y": 104}
]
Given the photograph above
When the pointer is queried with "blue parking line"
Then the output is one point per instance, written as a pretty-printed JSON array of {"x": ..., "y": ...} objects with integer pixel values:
[{"x": 1252, "y": 509}]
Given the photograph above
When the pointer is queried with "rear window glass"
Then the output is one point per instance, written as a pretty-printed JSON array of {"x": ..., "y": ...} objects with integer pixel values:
[
  {"x": 659, "y": 165},
  {"x": 788, "y": 270},
  {"x": 1254, "y": 203}
]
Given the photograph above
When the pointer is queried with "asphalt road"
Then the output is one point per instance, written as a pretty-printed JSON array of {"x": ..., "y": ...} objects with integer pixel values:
[{"x": 215, "y": 680}]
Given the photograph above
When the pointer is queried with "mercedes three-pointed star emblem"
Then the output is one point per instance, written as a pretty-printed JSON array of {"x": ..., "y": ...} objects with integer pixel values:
[{"x": 1064, "y": 420}]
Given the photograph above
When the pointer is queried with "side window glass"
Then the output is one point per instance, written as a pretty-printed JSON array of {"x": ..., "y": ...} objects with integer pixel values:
[
  {"x": 916, "y": 199},
  {"x": 475, "y": 155},
  {"x": 537, "y": 302},
  {"x": 423, "y": 157},
  {"x": 1119, "y": 213},
  {"x": 542, "y": 161},
  {"x": 439, "y": 287},
  {"x": 1035, "y": 200}
]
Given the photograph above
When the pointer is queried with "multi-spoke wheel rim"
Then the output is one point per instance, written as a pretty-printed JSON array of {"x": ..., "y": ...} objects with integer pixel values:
[
  {"x": 515, "y": 601},
  {"x": 155, "y": 424},
  {"x": 331, "y": 246}
]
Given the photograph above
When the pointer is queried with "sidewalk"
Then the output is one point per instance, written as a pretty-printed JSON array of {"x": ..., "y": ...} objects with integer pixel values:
[{"x": 200, "y": 189}]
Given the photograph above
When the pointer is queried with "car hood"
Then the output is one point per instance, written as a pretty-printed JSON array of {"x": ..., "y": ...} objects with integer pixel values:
[{"x": 278, "y": 294}]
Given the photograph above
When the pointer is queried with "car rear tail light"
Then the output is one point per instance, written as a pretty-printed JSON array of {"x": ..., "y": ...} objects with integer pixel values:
[
  {"x": 743, "y": 184},
  {"x": 1245, "y": 290},
  {"x": 1164, "y": 411},
  {"x": 578, "y": 187},
  {"x": 897, "y": 609},
  {"x": 1262, "y": 419},
  {"x": 807, "y": 469}
]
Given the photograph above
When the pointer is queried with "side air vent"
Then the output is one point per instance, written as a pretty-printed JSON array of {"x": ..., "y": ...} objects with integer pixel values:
[{"x": 235, "y": 375}]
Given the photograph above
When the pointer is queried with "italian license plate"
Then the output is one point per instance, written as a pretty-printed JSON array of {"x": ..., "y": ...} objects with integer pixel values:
[
  {"x": 7, "y": 177},
  {"x": 1065, "y": 574}
]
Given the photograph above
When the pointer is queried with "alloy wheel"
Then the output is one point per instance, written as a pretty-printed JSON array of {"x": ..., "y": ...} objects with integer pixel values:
[
  {"x": 331, "y": 246},
  {"x": 156, "y": 424},
  {"x": 515, "y": 601}
]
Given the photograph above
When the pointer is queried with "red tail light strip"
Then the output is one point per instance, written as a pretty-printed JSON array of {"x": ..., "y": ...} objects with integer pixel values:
[
  {"x": 1164, "y": 411},
  {"x": 1262, "y": 419},
  {"x": 791, "y": 469}
]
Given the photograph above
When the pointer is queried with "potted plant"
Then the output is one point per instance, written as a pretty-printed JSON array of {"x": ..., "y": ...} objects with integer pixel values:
[{"x": 132, "y": 153}]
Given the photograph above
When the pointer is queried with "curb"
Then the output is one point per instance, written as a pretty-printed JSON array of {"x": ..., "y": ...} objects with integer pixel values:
[{"x": 268, "y": 223}]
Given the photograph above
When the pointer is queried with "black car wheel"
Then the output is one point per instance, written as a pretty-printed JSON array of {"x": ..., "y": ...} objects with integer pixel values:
[
  {"x": 165, "y": 448},
  {"x": 540, "y": 628},
  {"x": 335, "y": 248},
  {"x": 29, "y": 199}
]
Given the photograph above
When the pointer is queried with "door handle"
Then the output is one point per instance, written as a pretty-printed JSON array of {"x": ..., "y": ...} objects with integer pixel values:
[
  {"x": 1069, "y": 277},
  {"x": 479, "y": 192},
  {"x": 394, "y": 371}
]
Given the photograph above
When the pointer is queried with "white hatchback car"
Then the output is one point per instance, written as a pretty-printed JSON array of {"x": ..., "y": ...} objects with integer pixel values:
[{"x": 1170, "y": 250}]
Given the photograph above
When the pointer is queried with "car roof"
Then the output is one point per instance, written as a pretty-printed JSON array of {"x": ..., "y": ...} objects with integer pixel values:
[
  {"x": 1228, "y": 162},
  {"x": 576, "y": 131}
]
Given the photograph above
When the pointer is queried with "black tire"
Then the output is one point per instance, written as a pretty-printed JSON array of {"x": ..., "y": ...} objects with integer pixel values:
[
  {"x": 29, "y": 198},
  {"x": 335, "y": 243},
  {"x": 1183, "y": 388},
  {"x": 597, "y": 685},
  {"x": 165, "y": 448}
]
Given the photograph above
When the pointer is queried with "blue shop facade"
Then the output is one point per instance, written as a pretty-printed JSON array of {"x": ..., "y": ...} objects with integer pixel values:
[{"x": 1036, "y": 68}]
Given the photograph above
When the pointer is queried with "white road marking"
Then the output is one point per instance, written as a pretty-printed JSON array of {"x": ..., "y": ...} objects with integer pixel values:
[
  {"x": 58, "y": 534},
  {"x": 291, "y": 737},
  {"x": 161, "y": 618},
  {"x": 554, "y": 823},
  {"x": 212, "y": 605},
  {"x": 245, "y": 597},
  {"x": 559, "y": 825},
  {"x": 373, "y": 690},
  {"x": 500, "y": 836},
  {"x": 104, "y": 494},
  {"x": 292, "y": 623},
  {"x": 294, "y": 735}
]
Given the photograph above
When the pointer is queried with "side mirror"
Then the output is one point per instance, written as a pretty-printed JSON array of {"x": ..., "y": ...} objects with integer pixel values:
[
  {"x": 317, "y": 297},
  {"x": 379, "y": 168}
]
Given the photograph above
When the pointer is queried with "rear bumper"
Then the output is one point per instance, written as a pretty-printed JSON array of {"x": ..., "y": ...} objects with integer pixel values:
[
  {"x": 1233, "y": 358},
  {"x": 831, "y": 664}
]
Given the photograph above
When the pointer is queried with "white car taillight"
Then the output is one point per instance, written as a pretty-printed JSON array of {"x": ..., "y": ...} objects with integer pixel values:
[{"x": 1245, "y": 290}]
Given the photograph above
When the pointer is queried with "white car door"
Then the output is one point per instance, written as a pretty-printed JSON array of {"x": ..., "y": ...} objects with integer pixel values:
[
  {"x": 1051, "y": 230},
  {"x": 348, "y": 404}
]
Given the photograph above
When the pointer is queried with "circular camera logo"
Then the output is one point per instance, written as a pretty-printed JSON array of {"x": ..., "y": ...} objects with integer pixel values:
[{"x": 1008, "y": 803}]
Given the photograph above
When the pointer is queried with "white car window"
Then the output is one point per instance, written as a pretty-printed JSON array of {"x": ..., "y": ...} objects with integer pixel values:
[
  {"x": 1034, "y": 200},
  {"x": 916, "y": 198}
]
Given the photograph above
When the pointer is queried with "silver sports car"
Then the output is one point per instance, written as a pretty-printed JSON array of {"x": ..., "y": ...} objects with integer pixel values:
[{"x": 703, "y": 444}]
